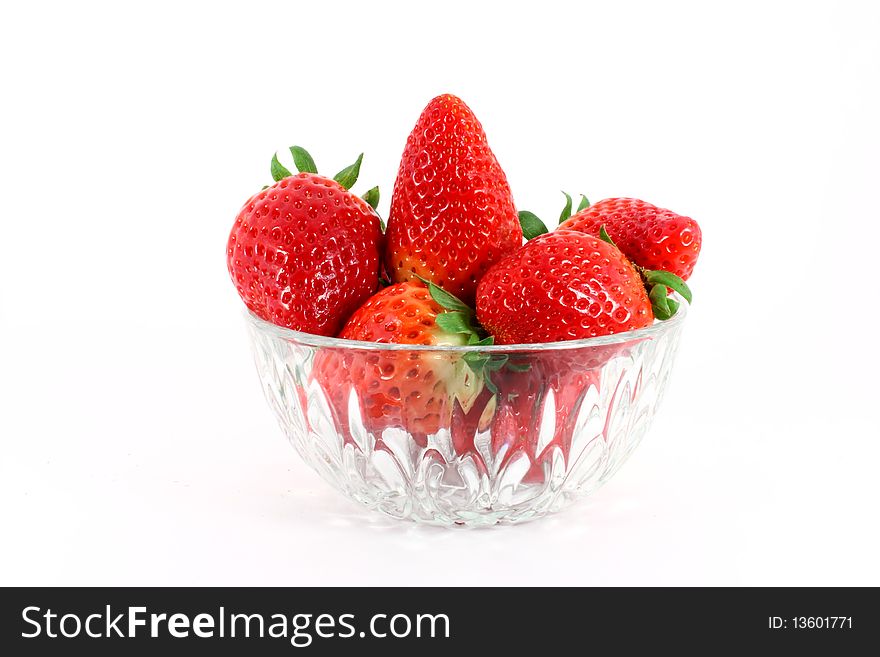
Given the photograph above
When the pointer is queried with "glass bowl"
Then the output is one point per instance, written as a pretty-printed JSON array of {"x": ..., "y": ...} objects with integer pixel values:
[{"x": 413, "y": 432}]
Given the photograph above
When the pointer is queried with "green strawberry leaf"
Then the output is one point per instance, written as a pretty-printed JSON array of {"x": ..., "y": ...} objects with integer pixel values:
[
  {"x": 477, "y": 363},
  {"x": 566, "y": 211},
  {"x": 349, "y": 175},
  {"x": 659, "y": 302},
  {"x": 660, "y": 277},
  {"x": 531, "y": 225},
  {"x": 455, "y": 322},
  {"x": 277, "y": 169},
  {"x": 661, "y": 314},
  {"x": 605, "y": 237},
  {"x": 475, "y": 358},
  {"x": 482, "y": 364},
  {"x": 584, "y": 204},
  {"x": 444, "y": 299},
  {"x": 303, "y": 161},
  {"x": 372, "y": 198}
]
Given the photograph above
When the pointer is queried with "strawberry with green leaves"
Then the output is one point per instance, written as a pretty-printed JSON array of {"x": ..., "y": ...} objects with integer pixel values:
[
  {"x": 651, "y": 237},
  {"x": 452, "y": 213},
  {"x": 568, "y": 285},
  {"x": 416, "y": 390},
  {"x": 304, "y": 253}
]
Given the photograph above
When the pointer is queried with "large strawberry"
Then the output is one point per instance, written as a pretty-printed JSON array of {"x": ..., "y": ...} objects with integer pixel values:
[
  {"x": 452, "y": 214},
  {"x": 418, "y": 391},
  {"x": 649, "y": 236},
  {"x": 304, "y": 253},
  {"x": 563, "y": 285}
]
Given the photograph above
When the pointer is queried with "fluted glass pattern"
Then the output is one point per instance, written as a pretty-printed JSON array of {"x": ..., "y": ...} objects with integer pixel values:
[{"x": 414, "y": 433}]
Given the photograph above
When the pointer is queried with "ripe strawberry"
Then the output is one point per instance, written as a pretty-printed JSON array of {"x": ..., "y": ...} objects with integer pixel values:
[
  {"x": 649, "y": 236},
  {"x": 562, "y": 286},
  {"x": 516, "y": 420},
  {"x": 452, "y": 213},
  {"x": 304, "y": 253},
  {"x": 413, "y": 390}
]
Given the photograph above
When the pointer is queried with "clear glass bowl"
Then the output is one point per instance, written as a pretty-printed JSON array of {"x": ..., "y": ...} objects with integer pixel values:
[{"x": 565, "y": 417}]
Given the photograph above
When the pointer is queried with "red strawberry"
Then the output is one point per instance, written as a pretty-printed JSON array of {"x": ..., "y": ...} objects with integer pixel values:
[
  {"x": 517, "y": 418},
  {"x": 522, "y": 402},
  {"x": 649, "y": 236},
  {"x": 412, "y": 390},
  {"x": 304, "y": 253},
  {"x": 452, "y": 213},
  {"x": 562, "y": 286}
]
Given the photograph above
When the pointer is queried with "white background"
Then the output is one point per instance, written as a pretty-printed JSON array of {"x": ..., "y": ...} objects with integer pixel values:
[{"x": 136, "y": 446}]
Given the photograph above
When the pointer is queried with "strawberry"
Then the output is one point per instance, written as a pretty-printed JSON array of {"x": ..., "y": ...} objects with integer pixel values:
[
  {"x": 414, "y": 390},
  {"x": 516, "y": 419},
  {"x": 561, "y": 286},
  {"x": 452, "y": 213},
  {"x": 564, "y": 285},
  {"x": 649, "y": 236},
  {"x": 304, "y": 253}
]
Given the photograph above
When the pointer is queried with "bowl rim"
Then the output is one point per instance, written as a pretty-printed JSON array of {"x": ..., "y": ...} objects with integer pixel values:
[{"x": 659, "y": 327}]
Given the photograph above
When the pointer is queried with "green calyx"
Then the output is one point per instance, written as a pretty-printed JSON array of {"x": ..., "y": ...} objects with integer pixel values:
[
  {"x": 605, "y": 237},
  {"x": 656, "y": 282},
  {"x": 484, "y": 364},
  {"x": 278, "y": 170},
  {"x": 349, "y": 175},
  {"x": 305, "y": 163},
  {"x": 566, "y": 211},
  {"x": 532, "y": 226},
  {"x": 670, "y": 280},
  {"x": 459, "y": 318},
  {"x": 455, "y": 322},
  {"x": 372, "y": 197}
]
